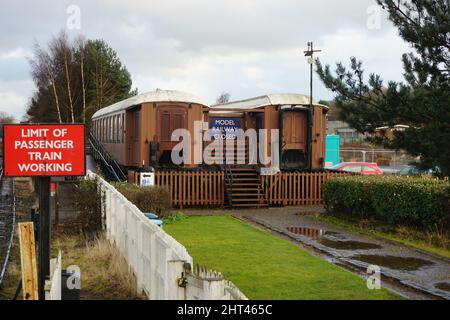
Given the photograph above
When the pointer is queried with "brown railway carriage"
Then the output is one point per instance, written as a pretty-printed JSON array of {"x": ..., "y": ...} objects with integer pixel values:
[
  {"x": 302, "y": 130},
  {"x": 137, "y": 131}
]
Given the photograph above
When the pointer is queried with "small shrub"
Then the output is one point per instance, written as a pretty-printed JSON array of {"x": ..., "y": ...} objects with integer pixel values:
[
  {"x": 88, "y": 202},
  {"x": 175, "y": 217},
  {"x": 418, "y": 202},
  {"x": 148, "y": 199}
]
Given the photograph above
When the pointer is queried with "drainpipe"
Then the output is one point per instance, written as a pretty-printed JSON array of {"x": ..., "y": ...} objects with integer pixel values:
[{"x": 310, "y": 137}]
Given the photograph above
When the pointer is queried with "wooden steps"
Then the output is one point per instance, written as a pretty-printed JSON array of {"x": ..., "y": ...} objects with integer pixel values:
[{"x": 244, "y": 187}]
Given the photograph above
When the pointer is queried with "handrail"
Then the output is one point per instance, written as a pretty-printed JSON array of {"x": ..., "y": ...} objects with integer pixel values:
[{"x": 107, "y": 159}]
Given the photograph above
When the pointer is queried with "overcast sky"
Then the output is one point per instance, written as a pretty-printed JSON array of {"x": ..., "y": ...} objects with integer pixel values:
[{"x": 244, "y": 47}]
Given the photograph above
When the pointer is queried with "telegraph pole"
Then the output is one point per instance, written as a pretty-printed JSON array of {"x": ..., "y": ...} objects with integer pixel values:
[{"x": 310, "y": 54}]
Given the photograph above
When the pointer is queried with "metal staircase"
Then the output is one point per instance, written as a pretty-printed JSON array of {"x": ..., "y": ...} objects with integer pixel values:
[{"x": 110, "y": 168}]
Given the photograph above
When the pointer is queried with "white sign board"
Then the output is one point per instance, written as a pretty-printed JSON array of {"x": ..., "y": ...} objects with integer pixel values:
[{"x": 147, "y": 179}]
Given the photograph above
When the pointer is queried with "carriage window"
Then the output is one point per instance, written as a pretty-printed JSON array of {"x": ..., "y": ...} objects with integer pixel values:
[
  {"x": 111, "y": 131},
  {"x": 123, "y": 128},
  {"x": 108, "y": 129},
  {"x": 117, "y": 128},
  {"x": 116, "y": 132},
  {"x": 113, "y": 127}
]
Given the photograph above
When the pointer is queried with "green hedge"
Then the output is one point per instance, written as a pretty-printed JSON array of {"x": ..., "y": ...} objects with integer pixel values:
[
  {"x": 148, "y": 199},
  {"x": 419, "y": 202}
]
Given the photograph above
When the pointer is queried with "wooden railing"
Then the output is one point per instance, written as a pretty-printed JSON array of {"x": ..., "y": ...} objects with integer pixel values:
[
  {"x": 203, "y": 188},
  {"x": 295, "y": 188},
  {"x": 206, "y": 188}
]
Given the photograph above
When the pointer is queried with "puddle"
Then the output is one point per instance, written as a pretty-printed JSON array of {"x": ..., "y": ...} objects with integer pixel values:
[
  {"x": 332, "y": 233},
  {"x": 443, "y": 286},
  {"x": 309, "y": 232},
  {"x": 349, "y": 245},
  {"x": 307, "y": 213},
  {"x": 394, "y": 262}
]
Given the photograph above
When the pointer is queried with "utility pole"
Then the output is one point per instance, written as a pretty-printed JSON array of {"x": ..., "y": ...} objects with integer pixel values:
[{"x": 310, "y": 54}]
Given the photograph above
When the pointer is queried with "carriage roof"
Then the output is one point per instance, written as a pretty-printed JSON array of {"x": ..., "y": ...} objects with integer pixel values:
[
  {"x": 152, "y": 96},
  {"x": 278, "y": 99}
]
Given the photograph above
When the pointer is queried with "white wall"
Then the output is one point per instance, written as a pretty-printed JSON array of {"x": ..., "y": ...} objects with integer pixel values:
[{"x": 158, "y": 261}]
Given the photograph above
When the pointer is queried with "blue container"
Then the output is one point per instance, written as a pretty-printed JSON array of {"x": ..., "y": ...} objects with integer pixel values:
[
  {"x": 154, "y": 218},
  {"x": 332, "y": 149}
]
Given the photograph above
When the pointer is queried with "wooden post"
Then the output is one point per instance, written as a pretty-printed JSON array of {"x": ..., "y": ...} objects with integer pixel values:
[{"x": 28, "y": 261}]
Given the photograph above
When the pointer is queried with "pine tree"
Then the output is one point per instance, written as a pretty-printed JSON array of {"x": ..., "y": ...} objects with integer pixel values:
[{"x": 421, "y": 102}]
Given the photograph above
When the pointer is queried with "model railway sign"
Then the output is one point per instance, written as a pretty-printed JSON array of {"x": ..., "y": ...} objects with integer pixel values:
[
  {"x": 43, "y": 150},
  {"x": 225, "y": 128}
]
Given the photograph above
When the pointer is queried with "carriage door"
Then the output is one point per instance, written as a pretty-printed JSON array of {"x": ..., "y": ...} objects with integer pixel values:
[
  {"x": 170, "y": 118},
  {"x": 294, "y": 144},
  {"x": 133, "y": 133}
]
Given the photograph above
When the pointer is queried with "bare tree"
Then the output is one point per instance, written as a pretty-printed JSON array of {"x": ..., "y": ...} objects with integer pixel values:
[
  {"x": 61, "y": 44},
  {"x": 44, "y": 74},
  {"x": 74, "y": 78},
  {"x": 224, "y": 97},
  {"x": 81, "y": 48},
  {"x": 6, "y": 118}
]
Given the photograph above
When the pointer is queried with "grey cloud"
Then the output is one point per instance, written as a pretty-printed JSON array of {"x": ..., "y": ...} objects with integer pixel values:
[{"x": 205, "y": 46}]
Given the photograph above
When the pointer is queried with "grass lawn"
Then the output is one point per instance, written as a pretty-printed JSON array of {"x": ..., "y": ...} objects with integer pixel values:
[{"x": 264, "y": 266}]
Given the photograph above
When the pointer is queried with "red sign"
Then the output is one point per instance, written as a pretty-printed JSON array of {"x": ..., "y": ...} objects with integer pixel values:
[{"x": 43, "y": 150}]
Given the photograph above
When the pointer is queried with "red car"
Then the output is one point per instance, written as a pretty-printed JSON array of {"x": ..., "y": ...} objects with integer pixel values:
[{"x": 365, "y": 168}]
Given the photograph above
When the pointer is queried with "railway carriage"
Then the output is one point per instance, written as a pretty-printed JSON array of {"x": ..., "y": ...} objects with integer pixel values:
[
  {"x": 137, "y": 131},
  {"x": 302, "y": 130}
]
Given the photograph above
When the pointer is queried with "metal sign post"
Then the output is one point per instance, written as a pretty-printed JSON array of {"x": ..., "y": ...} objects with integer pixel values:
[
  {"x": 44, "y": 234},
  {"x": 44, "y": 151}
]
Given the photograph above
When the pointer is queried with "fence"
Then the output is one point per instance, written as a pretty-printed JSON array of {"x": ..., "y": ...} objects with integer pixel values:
[
  {"x": 207, "y": 188},
  {"x": 204, "y": 188},
  {"x": 53, "y": 286},
  {"x": 162, "y": 266},
  {"x": 295, "y": 188}
]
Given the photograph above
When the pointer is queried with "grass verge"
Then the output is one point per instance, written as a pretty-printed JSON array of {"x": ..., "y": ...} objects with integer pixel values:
[
  {"x": 264, "y": 266},
  {"x": 104, "y": 272}
]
